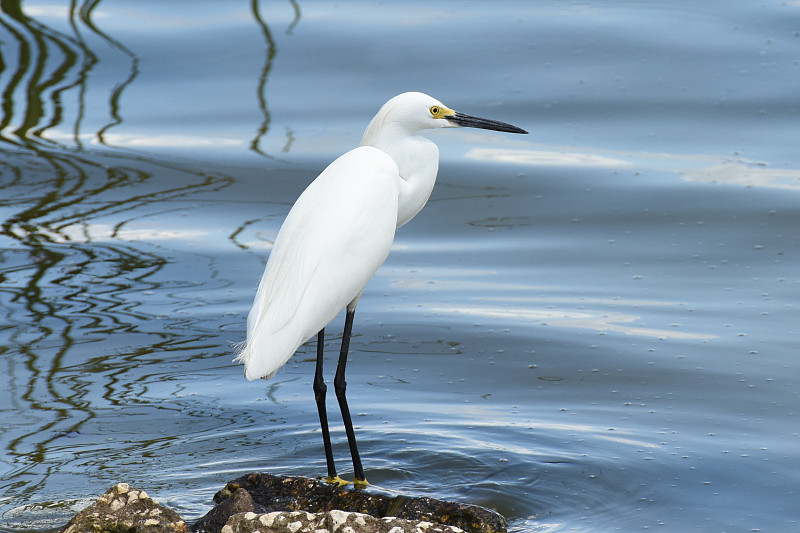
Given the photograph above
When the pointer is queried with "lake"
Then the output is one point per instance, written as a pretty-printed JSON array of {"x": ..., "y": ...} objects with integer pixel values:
[{"x": 594, "y": 327}]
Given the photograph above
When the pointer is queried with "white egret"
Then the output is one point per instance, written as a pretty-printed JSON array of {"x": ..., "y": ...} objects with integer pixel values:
[{"x": 336, "y": 236}]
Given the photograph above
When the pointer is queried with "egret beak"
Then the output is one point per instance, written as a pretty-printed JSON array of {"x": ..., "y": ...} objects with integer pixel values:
[{"x": 467, "y": 121}]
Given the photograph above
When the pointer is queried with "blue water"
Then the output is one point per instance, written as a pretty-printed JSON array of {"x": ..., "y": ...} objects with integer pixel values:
[{"x": 594, "y": 327}]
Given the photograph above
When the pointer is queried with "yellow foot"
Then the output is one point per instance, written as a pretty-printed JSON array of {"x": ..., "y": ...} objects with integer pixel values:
[
  {"x": 360, "y": 483},
  {"x": 337, "y": 481}
]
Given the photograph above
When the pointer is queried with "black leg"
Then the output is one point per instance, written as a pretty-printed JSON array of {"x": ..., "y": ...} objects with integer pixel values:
[
  {"x": 339, "y": 386},
  {"x": 319, "y": 396}
]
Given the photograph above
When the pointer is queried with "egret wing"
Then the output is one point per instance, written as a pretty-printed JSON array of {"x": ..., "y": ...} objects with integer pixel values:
[{"x": 333, "y": 240}]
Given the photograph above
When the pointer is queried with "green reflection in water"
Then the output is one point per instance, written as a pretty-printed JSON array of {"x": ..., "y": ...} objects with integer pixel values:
[
  {"x": 61, "y": 288},
  {"x": 269, "y": 55},
  {"x": 77, "y": 337},
  {"x": 49, "y": 66}
]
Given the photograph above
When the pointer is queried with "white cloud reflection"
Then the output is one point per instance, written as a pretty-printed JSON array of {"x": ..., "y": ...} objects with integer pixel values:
[
  {"x": 56, "y": 11},
  {"x": 170, "y": 141},
  {"x": 746, "y": 173},
  {"x": 458, "y": 421},
  {"x": 594, "y": 320},
  {"x": 612, "y": 314},
  {"x": 107, "y": 232},
  {"x": 144, "y": 140},
  {"x": 547, "y": 158},
  {"x": 691, "y": 167}
]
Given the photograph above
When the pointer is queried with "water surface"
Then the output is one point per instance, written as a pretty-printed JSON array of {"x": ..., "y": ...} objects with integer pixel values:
[{"x": 590, "y": 328}]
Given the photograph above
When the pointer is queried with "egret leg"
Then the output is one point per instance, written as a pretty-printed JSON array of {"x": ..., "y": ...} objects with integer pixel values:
[
  {"x": 320, "y": 389},
  {"x": 339, "y": 386}
]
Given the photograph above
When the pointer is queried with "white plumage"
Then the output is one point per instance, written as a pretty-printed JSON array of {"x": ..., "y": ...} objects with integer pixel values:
[
  {"x": 336, "y": 236},
  {"x": 340, "y": 231}
]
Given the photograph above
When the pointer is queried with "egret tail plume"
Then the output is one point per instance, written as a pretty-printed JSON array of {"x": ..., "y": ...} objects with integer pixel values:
[{"x": 263, "y": 355}]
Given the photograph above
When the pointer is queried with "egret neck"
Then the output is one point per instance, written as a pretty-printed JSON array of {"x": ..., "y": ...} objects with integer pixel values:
[{"x": 417, "y": 160}]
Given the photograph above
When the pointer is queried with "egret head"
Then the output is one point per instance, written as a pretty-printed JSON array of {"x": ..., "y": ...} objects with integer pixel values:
[{"x": 414, "y": 111}]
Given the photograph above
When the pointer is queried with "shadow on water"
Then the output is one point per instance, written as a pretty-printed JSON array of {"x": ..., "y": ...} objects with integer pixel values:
[{"x": 67, "y": 277}]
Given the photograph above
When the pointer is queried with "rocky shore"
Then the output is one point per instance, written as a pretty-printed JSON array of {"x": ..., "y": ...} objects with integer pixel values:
[{"x": 278, "y": 504}]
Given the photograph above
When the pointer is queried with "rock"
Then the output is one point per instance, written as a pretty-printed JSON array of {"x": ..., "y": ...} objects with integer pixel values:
[
  {"x": 268, "y": 494},
  {"x": 238, "y": 502},
  {"x": 124, "y": 509},
  {"x": 330, "y": 522},
  {"x": 275, "y": 504}
]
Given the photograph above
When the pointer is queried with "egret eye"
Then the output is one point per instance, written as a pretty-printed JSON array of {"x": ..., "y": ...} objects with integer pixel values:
[{"x": 436, "y": 111}]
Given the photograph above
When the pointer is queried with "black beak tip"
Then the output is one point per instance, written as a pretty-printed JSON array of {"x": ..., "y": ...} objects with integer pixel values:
[
  {"x": 503, "y": 126},
  {"x": 460, "y": 119}
]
